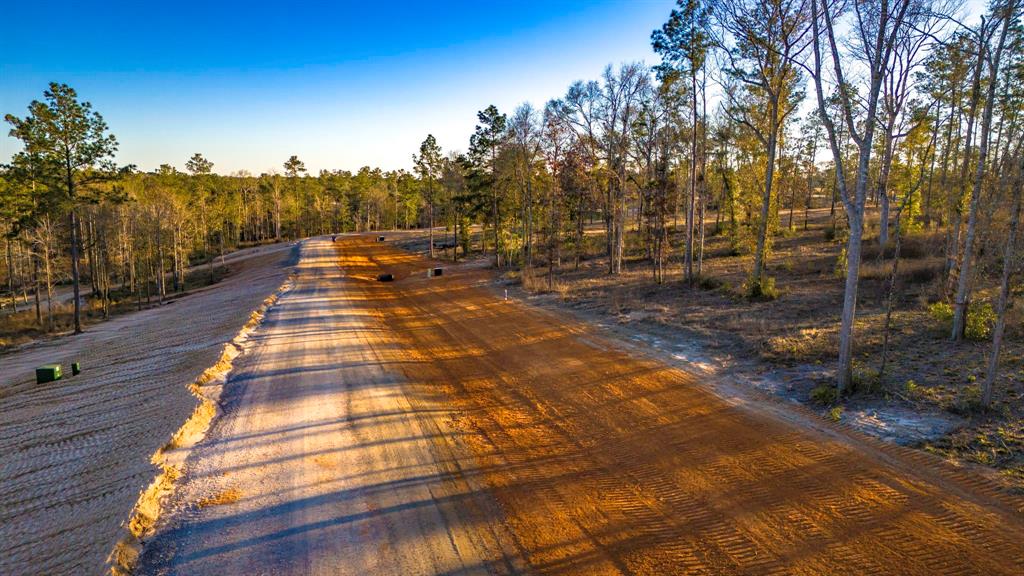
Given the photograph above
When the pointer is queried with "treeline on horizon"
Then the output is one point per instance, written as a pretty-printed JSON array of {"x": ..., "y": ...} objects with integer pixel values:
[{"x": 894, "y": 115}]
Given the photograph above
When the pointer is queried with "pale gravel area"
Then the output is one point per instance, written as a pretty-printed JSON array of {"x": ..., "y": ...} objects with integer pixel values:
[
  {"x": 75, "y": 454},
  {"x": 320, "y": 463}
]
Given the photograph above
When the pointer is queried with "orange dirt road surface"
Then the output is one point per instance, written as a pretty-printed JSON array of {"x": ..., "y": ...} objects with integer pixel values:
[
  {"x": 575, "y": 454},
  {"x": 604, "y": 462}
]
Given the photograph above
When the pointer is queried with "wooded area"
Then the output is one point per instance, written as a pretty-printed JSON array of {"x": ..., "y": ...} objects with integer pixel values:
[{"x": 898, "y": 118}]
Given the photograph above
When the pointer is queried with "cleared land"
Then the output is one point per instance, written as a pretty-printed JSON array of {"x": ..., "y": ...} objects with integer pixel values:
[
  {"x": 929, "y": 396},
  {"x": 75, "y": 454},
  {"x": 429, "y": 426}
]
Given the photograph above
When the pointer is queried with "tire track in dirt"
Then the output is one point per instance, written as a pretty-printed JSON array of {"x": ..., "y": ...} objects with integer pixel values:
[
  {"x": 605, "y": 461},
  {"x": 329, "y": 467}
]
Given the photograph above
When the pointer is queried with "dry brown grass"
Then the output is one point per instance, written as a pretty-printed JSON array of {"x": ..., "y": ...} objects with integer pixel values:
[
  {"x": 917, "y": 272},
  {"x": 20, "y": 327},
  {"x": 229, "y": 496},
  {"x": 804, "y": 345}
]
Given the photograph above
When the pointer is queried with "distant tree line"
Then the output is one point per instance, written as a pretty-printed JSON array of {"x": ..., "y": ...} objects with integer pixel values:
[{"x": 70, "y": 215}]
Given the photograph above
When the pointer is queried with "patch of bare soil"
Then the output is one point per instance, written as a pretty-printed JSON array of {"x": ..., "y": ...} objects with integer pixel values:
[
  {"x": 928, "y": 394},
  {"x": 606, "y": 460}
]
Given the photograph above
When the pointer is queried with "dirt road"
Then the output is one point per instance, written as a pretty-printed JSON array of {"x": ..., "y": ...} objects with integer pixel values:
[
  {"x": 321, "y": 464},
  {"x": 426, "y": 426},
  {"x": 75, "y": 454}
]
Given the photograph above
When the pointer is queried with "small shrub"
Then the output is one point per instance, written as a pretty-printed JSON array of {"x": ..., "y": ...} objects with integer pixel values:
[
  {"x": 836, "y": 413},
  {"x": 465, "y": 240},
  {"x": 967, "y": 402},
  {"x": 866, "y": 380},
  {"x": 840, "y": 270},
  {"x": 941, "y": 313},
  {"x": 710, "y": 283},
  {"x": 914, "y": 391},
  {"x": 803, "y": 346},
  {"x": 761, "y": 290},
  {"x": 824, "y": 394},
  {"x": 980, "y": 319}
]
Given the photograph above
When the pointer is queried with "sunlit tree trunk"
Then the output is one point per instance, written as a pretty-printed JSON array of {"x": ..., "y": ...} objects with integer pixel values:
[
  {"x": 963, "y": 283},
  {"x": 1004, "y": 295}
]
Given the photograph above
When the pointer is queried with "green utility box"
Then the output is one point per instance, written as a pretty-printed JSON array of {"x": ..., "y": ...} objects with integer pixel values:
[
  {"x": 48, "y": 373},
  {"x": 76, "y": 369}
]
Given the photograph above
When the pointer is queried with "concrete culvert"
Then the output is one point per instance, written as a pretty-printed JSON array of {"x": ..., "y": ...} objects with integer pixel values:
[
  {"x": 380, "y": 238},
  {"x": 385, "y": 277},
  {"x": 431, "y": 272}
]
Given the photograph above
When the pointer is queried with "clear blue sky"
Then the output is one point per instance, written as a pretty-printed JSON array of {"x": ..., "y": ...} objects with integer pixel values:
[{"x": 341, "y": 85}]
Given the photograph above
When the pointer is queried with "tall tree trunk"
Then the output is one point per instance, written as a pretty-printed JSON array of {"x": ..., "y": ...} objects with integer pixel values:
[
  {"x": 1004, "y": 295},
  {"x": 766, "y": 202},
  {"x": 75, "y": 275},
  {"x": 700, "y": 244},
  {"x": 36, "y": 281},
  {"x": 430, "y": 209},
  {"x": 105, "y": 277},
  {"x": 10, "y": 275},
  {"x": 853, "y": 250},
  {"x": 49, "y": 282},
  {"x": 883, "y": 185},
  {"x": 209, "y": 254},
  {"x": 963, "y": 291},
  {"x": 955, "y": 256},
  {"x": 690, "y": 213},
  {"x": 497, "y": 237},
  {"x": 528, "y": 208},
  {"x": 176, "y": 260},
  {"x": 810, "y": 193},
  {"x": 162, "y": 287}
]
